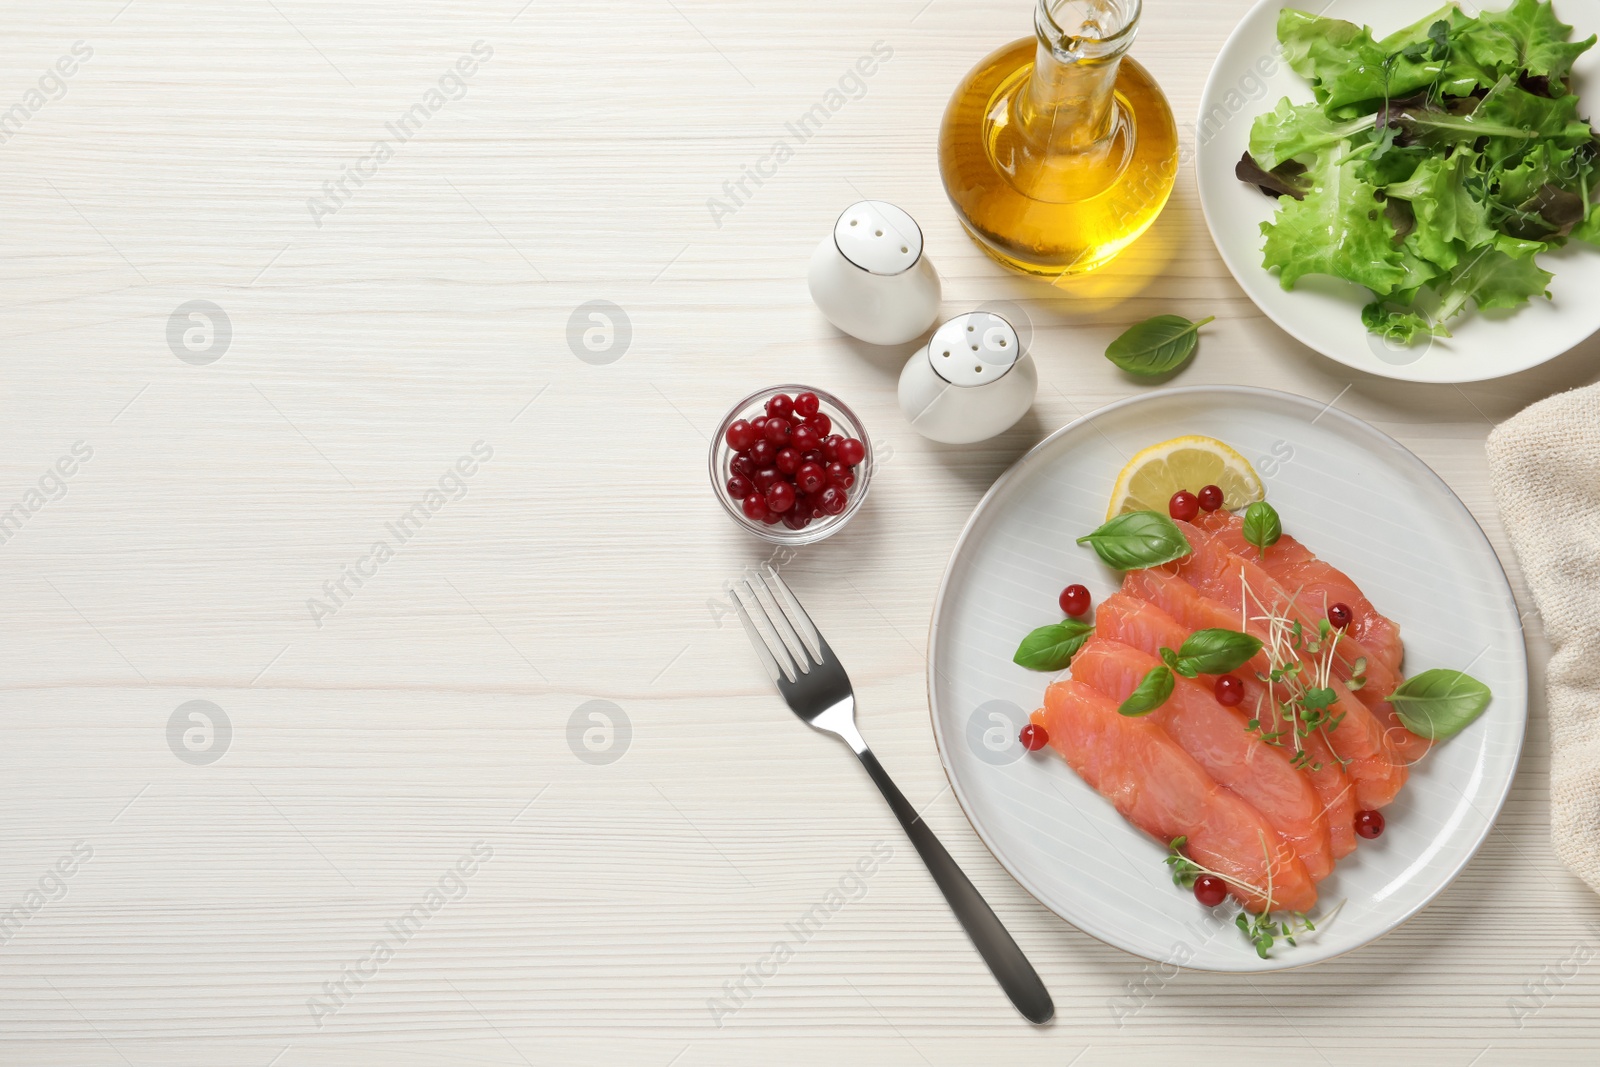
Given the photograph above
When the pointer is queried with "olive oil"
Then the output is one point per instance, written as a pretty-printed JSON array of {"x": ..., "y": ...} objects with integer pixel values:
[{"x": 1057, "y": 151}]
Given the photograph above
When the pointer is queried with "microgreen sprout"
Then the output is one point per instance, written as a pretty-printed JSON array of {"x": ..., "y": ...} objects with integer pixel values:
[
  {"x": 1263, "y": 929},
  {"x": 1300, "y": 678}
]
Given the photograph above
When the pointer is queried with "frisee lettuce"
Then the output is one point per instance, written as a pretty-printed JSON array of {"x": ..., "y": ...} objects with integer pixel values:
[{"x": 1432, "y": 166}]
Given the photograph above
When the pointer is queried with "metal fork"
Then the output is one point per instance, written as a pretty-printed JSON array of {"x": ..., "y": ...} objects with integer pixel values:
[{"x": 816, "y": 688}]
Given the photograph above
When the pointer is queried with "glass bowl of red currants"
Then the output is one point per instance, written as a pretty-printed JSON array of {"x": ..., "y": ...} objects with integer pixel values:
[{"x": 791, "y": 464}]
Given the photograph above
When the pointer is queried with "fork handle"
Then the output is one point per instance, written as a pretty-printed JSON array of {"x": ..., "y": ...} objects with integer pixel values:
[{"x": 1011, "y": 968}]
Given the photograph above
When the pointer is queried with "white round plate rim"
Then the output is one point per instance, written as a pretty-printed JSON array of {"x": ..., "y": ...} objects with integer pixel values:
[
  {"x": 1298, "y": 311},
  {"x": 1081, "y": 918}
]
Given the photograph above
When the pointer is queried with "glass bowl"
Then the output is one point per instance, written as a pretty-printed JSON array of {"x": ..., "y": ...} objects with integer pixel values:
[{"x": 845, "y": 423}]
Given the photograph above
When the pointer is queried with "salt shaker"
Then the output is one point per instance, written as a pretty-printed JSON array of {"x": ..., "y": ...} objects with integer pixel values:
[
  {"x": 971, "y": 382},
  {"x": 870, "y": 278}
]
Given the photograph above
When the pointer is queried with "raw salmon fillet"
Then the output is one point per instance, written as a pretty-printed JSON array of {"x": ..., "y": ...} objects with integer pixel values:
[
  {"x": 1181, "y": 602},
  {"x": 1318, "y": 583},
  {"x": 1159, "y": 788},
  {"x": 1310, "y": 606},
  {"x": 1128, "y": 633},
  {"x": 1371, "y": 760}
]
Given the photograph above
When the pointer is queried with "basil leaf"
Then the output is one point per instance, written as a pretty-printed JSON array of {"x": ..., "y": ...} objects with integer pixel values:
[
  {"x": 1216, "y": 651},
  {"x": 1051, "y": 648},
  {"x": 1138, "y": 539},
  {"x": 1439, "y": 703},
  {"x": 1150, "y": 693},
  {"x": 1262, "y": 527},
  {"x": 1156, "y": 346}
]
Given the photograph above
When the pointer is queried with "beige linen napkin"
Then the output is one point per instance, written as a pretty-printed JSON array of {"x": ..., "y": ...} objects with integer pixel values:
[{"x": 1544, "y": 464}]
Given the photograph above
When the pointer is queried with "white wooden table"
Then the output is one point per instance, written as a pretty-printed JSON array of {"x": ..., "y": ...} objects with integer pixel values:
[{"x": 226, "y": 912}]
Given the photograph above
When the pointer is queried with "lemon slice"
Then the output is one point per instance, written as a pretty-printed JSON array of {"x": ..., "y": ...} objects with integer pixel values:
[{"x": 1150, "y": 478}]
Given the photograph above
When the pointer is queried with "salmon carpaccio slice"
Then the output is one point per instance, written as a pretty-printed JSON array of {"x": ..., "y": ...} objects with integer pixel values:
[
  {"x": 1128, "y": 636},
  {"x": 1180, "y": 601},
  {"x": 1319, "y": 583},
  {"x": 1301, "y": 577},
  {"x": 1159, "y": 788},
  {"x": 1377, "y": 770},
  {"x": 1370, "y": 633}
]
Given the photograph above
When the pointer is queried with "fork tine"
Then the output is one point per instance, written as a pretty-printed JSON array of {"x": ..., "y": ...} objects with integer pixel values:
[
  {"x": 758, "y": 641},
  {"x": 795, "y": 615},
  {"x": 792, "y": 643}
]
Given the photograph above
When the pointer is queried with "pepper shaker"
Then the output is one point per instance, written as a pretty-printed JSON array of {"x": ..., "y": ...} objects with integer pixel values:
[
  {"x": 970, "y": 382},
  {"x": 870, "y": 278}
]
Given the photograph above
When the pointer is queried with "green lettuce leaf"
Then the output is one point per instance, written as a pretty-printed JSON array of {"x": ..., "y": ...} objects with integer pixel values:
[
  {"x": 1458, "y": 72},
  {"x": 1541, "y": 165},
  {"x": 1551, "y": 118},
  {"x": 1439, "y": 128},
  {"x": 1344, "y": 65},
  {"x": 1492, "y": 279},
  {"x": 1589, "y": 229},
  {"x": 1525, "y": 36},
  {"x": 1517, "y": 248},
  {"x": 1291, "y": 130},
  {"x": 1449, "y": 218},
  {"x": 1339, "y": 229},
  {"x": 1398, "y": 324}
]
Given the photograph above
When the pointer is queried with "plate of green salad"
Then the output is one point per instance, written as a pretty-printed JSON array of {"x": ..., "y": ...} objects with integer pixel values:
[{"x": 1409, "y": 189}]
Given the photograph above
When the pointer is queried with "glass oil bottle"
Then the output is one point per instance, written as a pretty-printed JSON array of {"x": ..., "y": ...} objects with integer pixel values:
[{"x": 1058, "y": 150}]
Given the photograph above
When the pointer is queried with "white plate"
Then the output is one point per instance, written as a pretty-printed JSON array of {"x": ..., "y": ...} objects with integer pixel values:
[
  {"x": 1324, "y": 313},
  {"x": 1356, "y": 498}
]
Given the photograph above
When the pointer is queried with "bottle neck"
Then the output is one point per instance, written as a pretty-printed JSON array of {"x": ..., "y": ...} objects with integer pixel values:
[{"x": 1068, "y": 103}]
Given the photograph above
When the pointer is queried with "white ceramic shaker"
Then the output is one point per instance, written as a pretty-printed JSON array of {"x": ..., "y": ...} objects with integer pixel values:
[
  {"x": 870, "y": 278},
  {"x": 971, "y": 382}
]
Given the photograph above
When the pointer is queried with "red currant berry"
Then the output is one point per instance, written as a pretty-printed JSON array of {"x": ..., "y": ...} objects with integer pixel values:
[
  {"x": 830, "y": 447},
  {"x": 1034, "y": 737},
  {"x": 1183, "y": 506},
  {"x": 811, "y": 478},
  {"x": 766, "y": 478},
  {"x": 780, "y": 496},
  {"x": 804, "y": 438},
  {"x": 840, "y": 475},
  {"x": 820, "y": 423},
  {"x": 832, "y": 500},
  {"x": 1229, "y": 691},
  {"x": 740, "y": 435},
  {"x": 755, "y": 507},
  {"x": 787, "y": 461},
  {"x": 806, "y": 404},
  {"x": 763, "y": 452},
  {"x": 851, "y": 452},
  {"x": 1210, "y": 890},
  {"x": 777, "y": 431},
  {"x": 742, "y": 464},
  {"x": 795, "y": 520},
  {"x": 780, "y": 405},
  {"x": 1211, "y": 498},
  {"x": 1339, "y": 615},
  {"x": 739, "y": 487},
  {"x": 1075, "y": 600},
  {"x": 1369, "y": 824}
]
